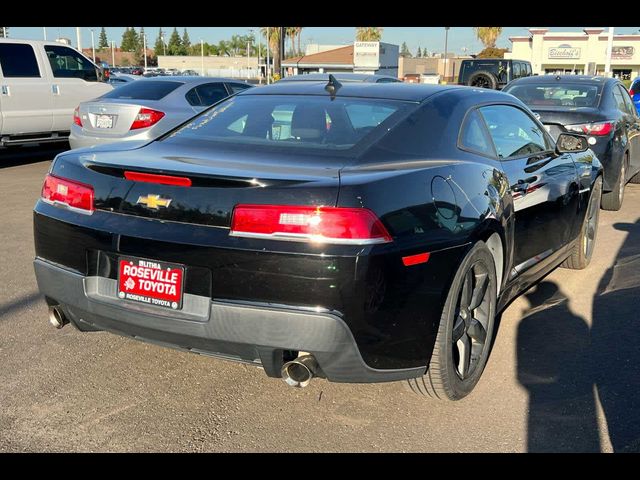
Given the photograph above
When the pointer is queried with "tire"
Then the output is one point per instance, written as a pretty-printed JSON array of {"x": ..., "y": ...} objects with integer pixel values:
[
  {"x": 635, "y": 178},
  {"x": 449, "y": 376},
  {"x": 585, "y": 243},
  {"x": 613, "y": 200},
  {"x": 483, "y": 79}
]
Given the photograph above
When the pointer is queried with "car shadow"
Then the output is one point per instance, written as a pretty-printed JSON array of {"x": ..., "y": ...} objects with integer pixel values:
[
  {"x": 568, "y": 367},
  {"x": 8, "y": 308},
  {"x": 15, "y": 156}
]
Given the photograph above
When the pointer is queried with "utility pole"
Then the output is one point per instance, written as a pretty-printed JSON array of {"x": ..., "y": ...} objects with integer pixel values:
[
  {"x": 446, "y": 39},
  {"x": 249, "y": 53},
  {"x": 607, "y": 66},
  {"x": 268, "y": 58},
  {"x": 259, "y": 58},
  {"x": 78, "y": 39},
  {"x": 144, "y": 48},
  {"x": 44, "y": 31},
  {"x": 202, "y": 57},
  {"x": 282, "y": 32},
  {"x": 93, "y": 47},
  {"x": 113, "y": 53}
]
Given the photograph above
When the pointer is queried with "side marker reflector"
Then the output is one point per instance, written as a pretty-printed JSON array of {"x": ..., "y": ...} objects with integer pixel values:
[{"x": 415, "y": 259}]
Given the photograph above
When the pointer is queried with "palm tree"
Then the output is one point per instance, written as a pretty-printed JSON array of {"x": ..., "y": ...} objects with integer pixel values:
[
  {"x": 290, "y": 32},
  {"x": 274, "y": 45},
  {"x": 488, "y": 35},
  {"x": 299, "y": 34},
  {"x": 368, "y": 34}
]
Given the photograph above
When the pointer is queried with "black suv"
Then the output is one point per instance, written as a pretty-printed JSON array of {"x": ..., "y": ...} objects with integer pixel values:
[{"x": 492, "y": 73}]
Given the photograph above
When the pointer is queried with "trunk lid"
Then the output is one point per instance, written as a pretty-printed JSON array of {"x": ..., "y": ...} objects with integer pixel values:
[{"x": 555, "y": 118}]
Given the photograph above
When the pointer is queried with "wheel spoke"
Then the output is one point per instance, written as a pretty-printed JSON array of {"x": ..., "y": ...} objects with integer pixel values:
[
  {"x": 467, "y": 289},
  {"x": 458, "y": 329},
  {"x": 482, "y": 282},
  {"x": 464, "y": 349},
  {"x": 477, "y": 331}
]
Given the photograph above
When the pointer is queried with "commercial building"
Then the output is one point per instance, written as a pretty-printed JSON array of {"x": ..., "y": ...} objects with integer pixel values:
[
  {"x": 577, "y": 52},
  {"x": 213, "y": 66},
  {"x": 361, "y": 57}
]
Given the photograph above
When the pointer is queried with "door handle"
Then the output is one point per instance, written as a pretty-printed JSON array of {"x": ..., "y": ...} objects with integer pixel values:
[
  {"x": 5, "y": 90},
  {"x": 55, "y": 89}
]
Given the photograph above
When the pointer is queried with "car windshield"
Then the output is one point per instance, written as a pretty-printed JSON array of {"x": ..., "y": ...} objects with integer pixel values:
[
  {"x": 144, "y": 90},
  {"x": 292, "y": 122},
  {"x": 554, "y": 95}
]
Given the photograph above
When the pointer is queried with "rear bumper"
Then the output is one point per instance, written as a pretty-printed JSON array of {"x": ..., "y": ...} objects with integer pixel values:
[
  {"x": 256, "y": 335},
  {"x": 79, "y": 138}
]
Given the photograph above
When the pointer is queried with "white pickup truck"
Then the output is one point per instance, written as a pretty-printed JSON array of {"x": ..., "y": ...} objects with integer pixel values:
[{"x": 41, "y": 83}]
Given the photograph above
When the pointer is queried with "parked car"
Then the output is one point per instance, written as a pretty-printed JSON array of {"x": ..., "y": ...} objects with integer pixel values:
[
  {"x": 119, "y": 79},
  {"x": 599, "y": 107},
  {"x": 146, "y": 108},
  {"x": 634, "y": 92},
  {"x": 40, "y": 85},
  {"x": 366, "y": 237},
  {"x": 191, "y": 73},
  {"x": 341, "y": 77},
  {"x": 137, "y": 71},
  {"x": 492, "y": 73}
]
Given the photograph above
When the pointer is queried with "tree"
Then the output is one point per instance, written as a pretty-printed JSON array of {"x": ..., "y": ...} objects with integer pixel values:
[
  {"x": 404, "y": 50},
  {"x": 299, "y": 34},
  {"x": 159, "y": 47},
  {"x": 175, "y": 43},
  {"x": 129, "y": 40},
  {"x": 4, "y": 32},
  {"x": 492, "y": 52},
  {"x": 488, "y": 35},
  {"x": 273, "y": 40},
  {"x": 186, "y": 42},
  {"x": 419, "y": 53},
  {"x": 103, "y": 41},
  {"x": 368, "y": 34}
]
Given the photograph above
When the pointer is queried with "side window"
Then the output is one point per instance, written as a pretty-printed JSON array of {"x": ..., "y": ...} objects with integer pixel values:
[
  {"x": 192, "y": 97},
  {"x": 211, "y": 93},
  {"x": 529, "y": 71},
  {"x": 619, "y": 99},
  {"x": 474, "y": 136},
  {"x": 514, "y": 133},
  {"x": 67, "y": 63},
  {"x": 630, "y": 107},
  {"x": 237, "y": 87},
  {"x": 18, "y": 60},
  {"x": 516, "y": 70}
]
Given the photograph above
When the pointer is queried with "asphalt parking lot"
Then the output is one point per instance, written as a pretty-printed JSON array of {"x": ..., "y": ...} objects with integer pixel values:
[{"x": 563, "y": 375}]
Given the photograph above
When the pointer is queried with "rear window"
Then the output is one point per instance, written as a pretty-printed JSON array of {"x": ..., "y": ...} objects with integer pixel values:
[
  {"x": 144, "y": 90},
  {"x": 554, "y": 95},
  {"x": 292, "y": 122}
]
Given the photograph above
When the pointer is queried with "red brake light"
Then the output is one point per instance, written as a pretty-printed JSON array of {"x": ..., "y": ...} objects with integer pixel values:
[
  {"x": 68, "y": 193},
  {"x": 146, "y": 117},
  {"x": 631, "y": 92},
  {"x": 76, "y": 116},
  {"x": 595, "y": 129},
  {"x": 317, "y": 224},
  {"x": 154, "y": 178}
]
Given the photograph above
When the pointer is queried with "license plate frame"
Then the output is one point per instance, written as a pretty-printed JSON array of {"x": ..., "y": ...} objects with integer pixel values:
[
  {"x": 135, "y": 284},
  {"x": 105, "y": 121}
]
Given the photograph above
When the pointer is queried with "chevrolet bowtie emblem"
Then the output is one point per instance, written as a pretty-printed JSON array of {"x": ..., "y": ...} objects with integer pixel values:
[{"x": 154, "y": 201}]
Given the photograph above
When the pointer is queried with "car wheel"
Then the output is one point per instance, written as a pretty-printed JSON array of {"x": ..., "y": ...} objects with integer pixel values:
[
  {"x": 635, "y": 178},
  {"x": 465, "y": 332},
  {"x": 483, "y": 79},
  {"x": 585, "y": 243},
  {"x": 613, "y": 200}
]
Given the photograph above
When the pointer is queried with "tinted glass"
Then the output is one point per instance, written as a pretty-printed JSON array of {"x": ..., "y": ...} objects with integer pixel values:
[
  {"x": 238, "y": 87},
  {"x": 618, "y": 99},
  {"x": 211, "y": 93},
  {"x": 18, "y": 60},
  {"x": 290, "y": 122},
  {"x": 144, "y": 90},
  {"x": 67, "y": 63},
  {"x": 572, "y": 95},
  {"x": 516, "y": 70},
  {"x": 630, "y": 107},
  {"x": 514, "y": 133},
  {"x": 474, "y": 135}
]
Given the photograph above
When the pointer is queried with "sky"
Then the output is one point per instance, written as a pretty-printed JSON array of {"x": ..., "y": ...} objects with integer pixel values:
[{"x": 432, "y": 38}]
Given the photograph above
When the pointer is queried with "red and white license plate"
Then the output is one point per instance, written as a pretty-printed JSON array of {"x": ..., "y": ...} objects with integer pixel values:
[{"x": 150, "y": 282}]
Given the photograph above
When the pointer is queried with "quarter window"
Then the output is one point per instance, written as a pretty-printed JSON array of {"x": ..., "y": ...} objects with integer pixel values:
[
  {"x": 206, "y": 94},
  {"x": 619, "y": 99},
  {"x": 514, "y": 133},
  {"x": 629, "y": 106},
  {"x": 67, "y": 63},
  {"x": 474, "y": 135},
  {"x": 238, "y": 87},
  {"x": 18, "y": 60}
]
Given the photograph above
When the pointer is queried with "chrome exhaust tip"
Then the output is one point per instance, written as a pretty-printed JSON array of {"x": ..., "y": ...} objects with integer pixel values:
[
  {"x": 299, "y": 372},
  {"x": 57, "y": 318}
]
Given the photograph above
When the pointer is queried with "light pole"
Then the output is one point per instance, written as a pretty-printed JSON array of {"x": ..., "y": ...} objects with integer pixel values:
[
  {"x": 44, "y": 31},
  {"x": 113, "y": 53},
  {"x": 249, "y": 52},
  {"x": 446, "y": 39},
  {"x": 144, "y": 48},
  {"x": 78, "y": 39},
  {"x": 93, "y": 46},
  {"x": 607, "y": 66},
  {"x": 259, "y": 58},
  {"x": 268, "y": 58},
  {"x": 202, "y": 57},
  {"x": 164, "y": 45}
]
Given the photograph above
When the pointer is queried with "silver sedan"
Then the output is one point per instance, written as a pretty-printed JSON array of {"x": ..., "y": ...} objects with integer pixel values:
[{"x": 146, "y": 108}]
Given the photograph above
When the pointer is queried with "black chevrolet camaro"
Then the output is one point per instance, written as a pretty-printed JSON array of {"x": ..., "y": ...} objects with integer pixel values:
[{"x": 356, "y": 232}]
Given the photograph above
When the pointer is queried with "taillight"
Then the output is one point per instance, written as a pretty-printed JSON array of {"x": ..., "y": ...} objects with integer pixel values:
[
  {"x": 632, "y": 93},
  {"x": 316, "y": 224},
  {"x": 146, "y": 117},
  {"x": 68, "y": 193},
  {"x": 595, "y": 129},
  {"x": 76, "y": 116}
]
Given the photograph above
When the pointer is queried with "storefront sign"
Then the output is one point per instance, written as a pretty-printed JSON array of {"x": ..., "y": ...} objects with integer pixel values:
[
  {"x": 622, "y": 52},
  {"x": 564, "y": 52},
  {"x": 366, "y": 54}
]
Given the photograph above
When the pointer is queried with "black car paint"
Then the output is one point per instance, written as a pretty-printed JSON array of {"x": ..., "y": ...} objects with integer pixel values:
[
  {"x": 440, "y": 201},
  {"x": 611, "y": 149}
]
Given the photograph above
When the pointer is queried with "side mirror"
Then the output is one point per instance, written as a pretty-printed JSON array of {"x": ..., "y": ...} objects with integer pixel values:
[{"x": 571, "y": 143}]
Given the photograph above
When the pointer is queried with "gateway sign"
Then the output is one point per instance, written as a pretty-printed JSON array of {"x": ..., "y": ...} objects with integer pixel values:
[
  {"x": 366, "y": 54},
  {"x": 564, "y": 52}
]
